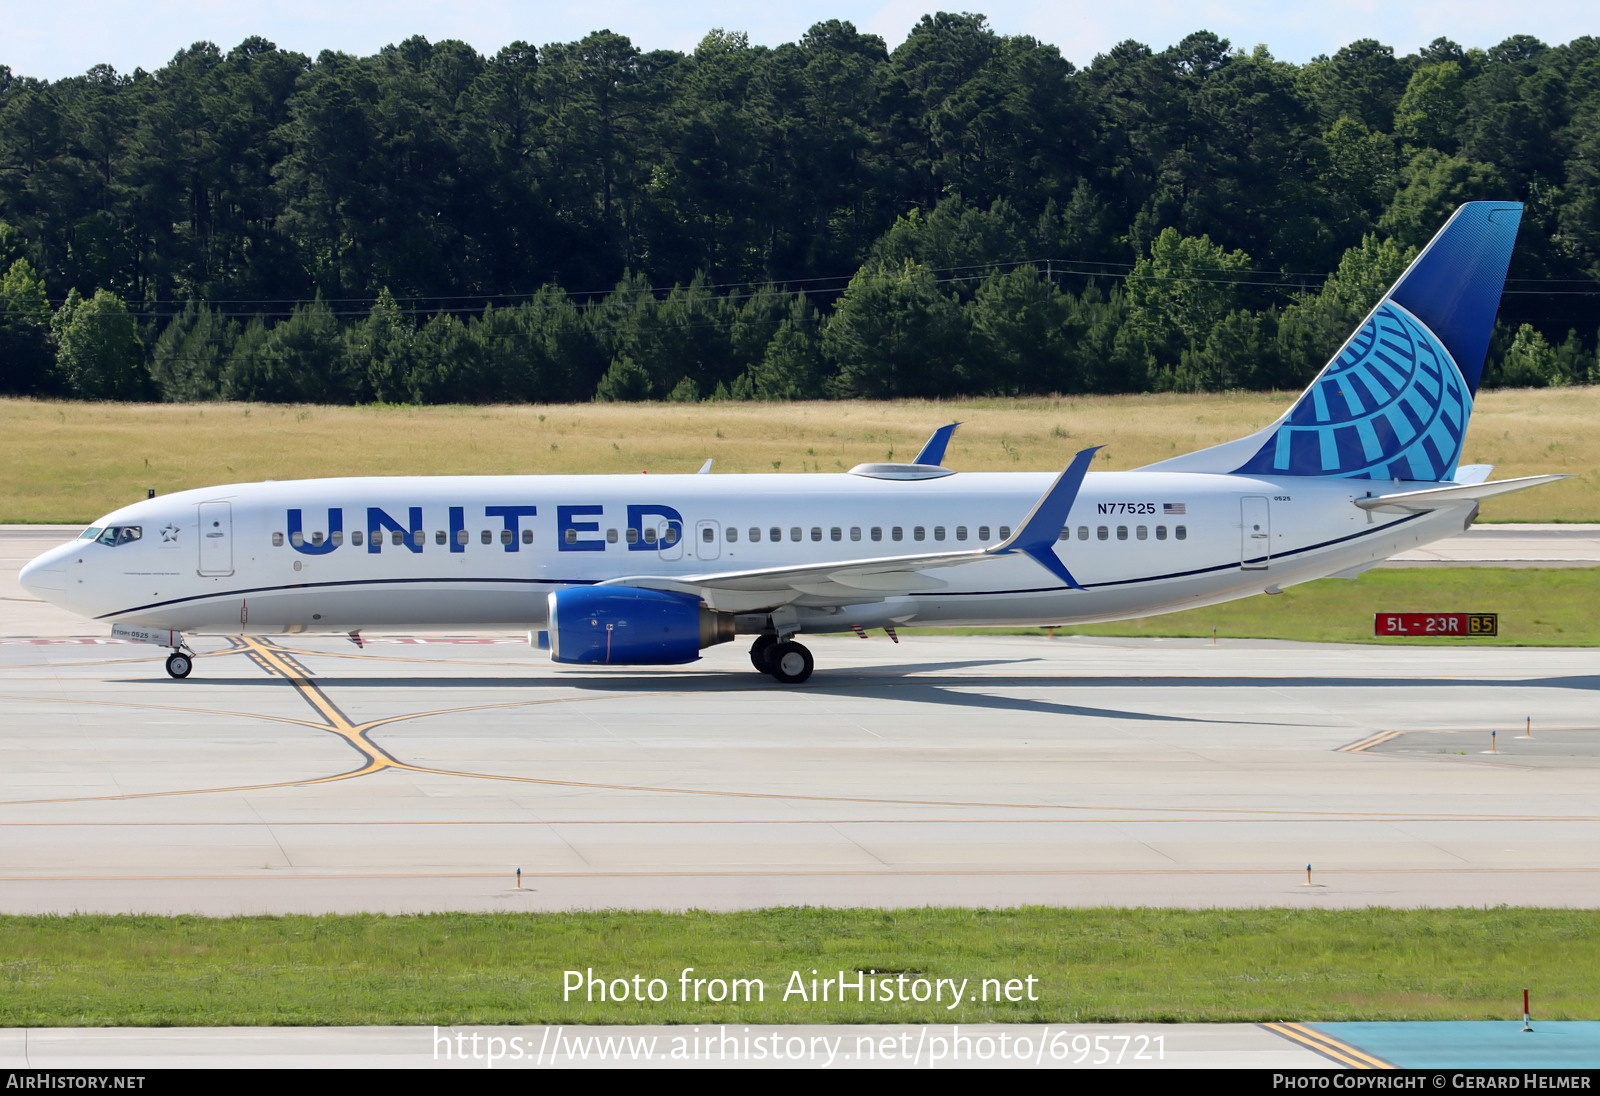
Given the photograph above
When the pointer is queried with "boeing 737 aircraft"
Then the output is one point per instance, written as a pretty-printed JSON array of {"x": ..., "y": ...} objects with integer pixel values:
[{"x": 650, "y": 570}]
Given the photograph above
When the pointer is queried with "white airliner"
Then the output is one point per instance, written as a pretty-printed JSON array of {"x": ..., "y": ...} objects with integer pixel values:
[{"x": 649, "y": 570}]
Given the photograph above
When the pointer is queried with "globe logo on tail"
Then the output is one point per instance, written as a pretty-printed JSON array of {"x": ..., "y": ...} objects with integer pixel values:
[{"x": 1392, "y": 405}]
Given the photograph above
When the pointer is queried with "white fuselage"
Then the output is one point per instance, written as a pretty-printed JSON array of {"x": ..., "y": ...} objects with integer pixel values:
[{"x": 484, "y": 552}]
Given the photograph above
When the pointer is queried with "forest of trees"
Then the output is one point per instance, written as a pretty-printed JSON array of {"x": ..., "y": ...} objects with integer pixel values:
[{"x": 966, "y": 214}]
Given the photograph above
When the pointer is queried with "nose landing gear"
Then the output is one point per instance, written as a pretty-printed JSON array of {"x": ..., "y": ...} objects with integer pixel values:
[{"x": 179, "y": 662}]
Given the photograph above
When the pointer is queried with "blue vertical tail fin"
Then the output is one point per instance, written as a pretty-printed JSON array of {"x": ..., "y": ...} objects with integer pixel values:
[{"x": 1394, "y": 402}]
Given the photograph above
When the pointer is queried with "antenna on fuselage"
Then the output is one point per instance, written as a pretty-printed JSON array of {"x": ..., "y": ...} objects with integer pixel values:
[{"x": 149, "y": 492}]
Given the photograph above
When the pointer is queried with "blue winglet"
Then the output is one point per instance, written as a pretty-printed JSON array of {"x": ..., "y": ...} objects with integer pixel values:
[
  {"x": 933, "y": 450},
  {"x": 1039, "y": 530}
]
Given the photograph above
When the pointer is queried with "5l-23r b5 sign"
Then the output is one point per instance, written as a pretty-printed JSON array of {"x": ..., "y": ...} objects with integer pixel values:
[{"x": 1437, "y": 624}]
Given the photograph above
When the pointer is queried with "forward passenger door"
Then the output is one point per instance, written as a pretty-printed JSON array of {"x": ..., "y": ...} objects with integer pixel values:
[{"x": 216, "y": 538}]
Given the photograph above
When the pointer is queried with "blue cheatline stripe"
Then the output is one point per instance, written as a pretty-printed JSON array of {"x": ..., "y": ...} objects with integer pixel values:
[{"x": 226, "y": 595}]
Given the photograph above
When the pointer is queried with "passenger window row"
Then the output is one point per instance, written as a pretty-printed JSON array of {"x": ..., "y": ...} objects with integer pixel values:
[
  {"x": 398, "y": 537},
  {"x": 707, "y": 535},
  {"x": 835, "y": 533},
  {"x": 1140, "y": 532},
  {"x": 633, "y": 536},
  {"x": 486, "y": 536},
  {"x": 920, "y": 533}
]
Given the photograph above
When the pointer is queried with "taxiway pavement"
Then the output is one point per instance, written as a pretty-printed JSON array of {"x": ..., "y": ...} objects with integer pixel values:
[
  {"x": 304, "y": 775},
  {"x": 1510, "y": 545}
]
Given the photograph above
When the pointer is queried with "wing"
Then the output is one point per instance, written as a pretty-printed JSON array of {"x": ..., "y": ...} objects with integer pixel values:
[{"x": 852, "y": 581}]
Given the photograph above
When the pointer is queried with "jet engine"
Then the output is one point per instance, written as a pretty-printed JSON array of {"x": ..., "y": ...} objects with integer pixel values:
[{"x": 626, "y": 626}]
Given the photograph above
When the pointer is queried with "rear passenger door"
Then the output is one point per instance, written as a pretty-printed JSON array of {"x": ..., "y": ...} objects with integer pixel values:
[{"x": 1255, "y": 533}]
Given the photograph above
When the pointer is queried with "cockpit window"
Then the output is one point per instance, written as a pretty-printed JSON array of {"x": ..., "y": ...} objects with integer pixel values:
[
  {"x": 120, "y": 534},
  {"x": 90, "y": 533}
]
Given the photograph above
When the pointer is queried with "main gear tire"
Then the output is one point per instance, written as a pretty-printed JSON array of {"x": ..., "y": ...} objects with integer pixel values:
[
  {"x": 791, "y": 663},
  {"x": 761, "y": 653}
]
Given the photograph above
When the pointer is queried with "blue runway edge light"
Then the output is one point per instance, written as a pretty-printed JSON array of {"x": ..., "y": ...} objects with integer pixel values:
[{"x": 1475, "y": 1044}]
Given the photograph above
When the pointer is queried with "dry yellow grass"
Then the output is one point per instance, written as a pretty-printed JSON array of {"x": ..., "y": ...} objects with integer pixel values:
[{"x": 71, "y": 462}]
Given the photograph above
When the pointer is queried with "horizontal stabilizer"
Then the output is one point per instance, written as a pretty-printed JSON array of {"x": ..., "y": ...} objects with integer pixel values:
[{"x": 1439, "y": 498}]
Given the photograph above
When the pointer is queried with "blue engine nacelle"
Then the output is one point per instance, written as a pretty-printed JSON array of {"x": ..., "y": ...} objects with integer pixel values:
[{"x": 626, "y": 626}]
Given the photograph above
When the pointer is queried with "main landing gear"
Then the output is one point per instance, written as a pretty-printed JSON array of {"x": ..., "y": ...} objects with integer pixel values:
[
  {"x": 179, "y": 663},
  {"x": 786, "y": 660}
]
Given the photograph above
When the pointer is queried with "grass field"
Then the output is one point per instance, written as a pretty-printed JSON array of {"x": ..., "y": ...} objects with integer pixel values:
[
  {"x": 1089, "y": 965},
  {"x": 71, "y": 462}
]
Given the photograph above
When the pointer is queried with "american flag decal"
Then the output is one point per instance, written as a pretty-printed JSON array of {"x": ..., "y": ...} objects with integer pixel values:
[{"x": 1174, "y": 508}]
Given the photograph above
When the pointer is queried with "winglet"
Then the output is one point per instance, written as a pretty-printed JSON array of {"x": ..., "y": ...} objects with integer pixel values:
[
  {"x": 1038, "y": 532},
  {"x": 933, "y": 449},
  {"x": 705, "y": 468}
]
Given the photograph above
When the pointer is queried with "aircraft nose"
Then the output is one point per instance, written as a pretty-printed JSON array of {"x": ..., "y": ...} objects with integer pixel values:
[{"x": 45, "y": 577}]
